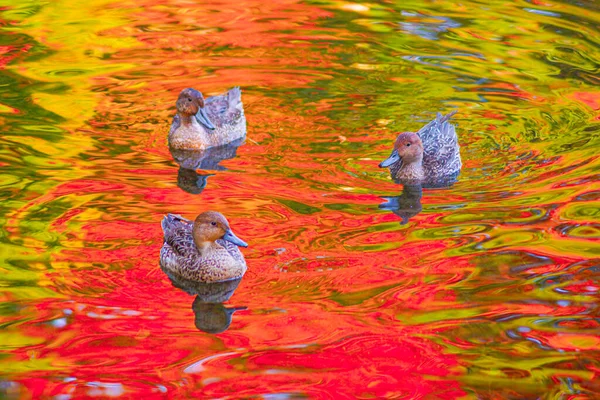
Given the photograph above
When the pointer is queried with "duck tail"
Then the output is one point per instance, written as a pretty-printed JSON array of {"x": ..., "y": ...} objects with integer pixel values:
[
  {"x": 170, "y": 221},
  {"x": 234, "y": 97},
  {"x": 443, "y": 118},
  {"x": 449, "y": 131}
]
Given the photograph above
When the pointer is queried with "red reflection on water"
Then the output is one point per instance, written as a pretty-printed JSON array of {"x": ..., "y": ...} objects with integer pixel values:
[
  {"x": 9, "y": 53},
  {"x": 136, "y": 334}
]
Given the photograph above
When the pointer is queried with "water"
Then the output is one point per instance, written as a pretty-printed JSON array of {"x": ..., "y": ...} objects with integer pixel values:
[{"x": 356, "y": 287}]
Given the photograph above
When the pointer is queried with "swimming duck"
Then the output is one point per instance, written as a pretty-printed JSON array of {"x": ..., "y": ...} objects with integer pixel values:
[
  {"x": 201, "y": 124},
  {"x": 203, "y": 251},
  {"x": 431, "y": 154}
]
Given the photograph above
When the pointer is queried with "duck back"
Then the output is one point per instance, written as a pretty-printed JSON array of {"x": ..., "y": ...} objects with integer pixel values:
[
  {"x": 227, "y": 114},
  {"x": 441, "y": 151}
]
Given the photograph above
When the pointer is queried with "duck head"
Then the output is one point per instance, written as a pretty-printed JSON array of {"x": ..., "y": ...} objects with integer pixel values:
[
  {"x": 191, "y": 103},
  {"x": 211, "y": 226},
  {"x": 408, "y": 149}
]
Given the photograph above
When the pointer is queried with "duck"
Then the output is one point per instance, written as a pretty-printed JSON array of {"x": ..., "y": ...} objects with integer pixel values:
[
  {"x": 200, "y": 124},
  {"x": 205, "y": 250},
  {"x": 430, "y": 155}
]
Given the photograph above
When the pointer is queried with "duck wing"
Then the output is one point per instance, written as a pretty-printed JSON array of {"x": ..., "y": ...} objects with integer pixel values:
[
  {"x": 233, "y": 250},
  {"x": 175, "y": 124},
  {"x": 441, "y": 151},
  {"x": 226, "y": 109},
  {"x": 178, "y": 240}
]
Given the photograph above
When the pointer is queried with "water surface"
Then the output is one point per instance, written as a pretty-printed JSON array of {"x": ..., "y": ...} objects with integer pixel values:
[{"x": 357, "y": 287}]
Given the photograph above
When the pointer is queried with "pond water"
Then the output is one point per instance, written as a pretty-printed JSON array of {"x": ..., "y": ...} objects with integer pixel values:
[{"x": 356, "y": 287}]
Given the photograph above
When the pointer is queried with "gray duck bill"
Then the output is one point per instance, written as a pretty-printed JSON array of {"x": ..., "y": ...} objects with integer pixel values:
[
  {"x": 392, "y": 159},
  {"x": 230, "y": 237}
]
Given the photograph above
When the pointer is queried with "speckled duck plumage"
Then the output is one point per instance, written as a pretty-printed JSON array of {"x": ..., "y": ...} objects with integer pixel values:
[
  {"x": 202, "y": 123},
  {"x": 217, "y": 260},
  {"x": 440, "y": 156}
]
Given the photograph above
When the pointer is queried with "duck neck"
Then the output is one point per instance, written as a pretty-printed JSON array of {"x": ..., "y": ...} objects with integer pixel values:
[
  {"x": 186, "y": 119},
  {"x": 411, "y": 171},
  {"x": 203, "y": 247}
]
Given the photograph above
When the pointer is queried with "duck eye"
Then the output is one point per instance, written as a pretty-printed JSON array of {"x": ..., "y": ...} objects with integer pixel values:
[
  {"x": 407, "y": 144},
  {"x": 189, "y": 99},
  {"x": 213, "y": 223}
]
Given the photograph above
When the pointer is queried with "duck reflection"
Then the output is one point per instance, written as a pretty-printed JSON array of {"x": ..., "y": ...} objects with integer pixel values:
[
  {"x": 407, "y": 205},
  {"x": 208, "y": 160},
  {"x": 210, "y": 315}
]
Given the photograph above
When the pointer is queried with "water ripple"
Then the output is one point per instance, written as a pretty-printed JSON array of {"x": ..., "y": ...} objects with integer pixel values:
[{"x": 487, "y": 288}]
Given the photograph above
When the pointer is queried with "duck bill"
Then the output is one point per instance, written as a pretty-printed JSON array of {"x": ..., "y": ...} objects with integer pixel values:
[
  {"x": 392, "y": 159},
  {"x": 230, "y": 237},
  {"x": 202, "y": 118}
]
